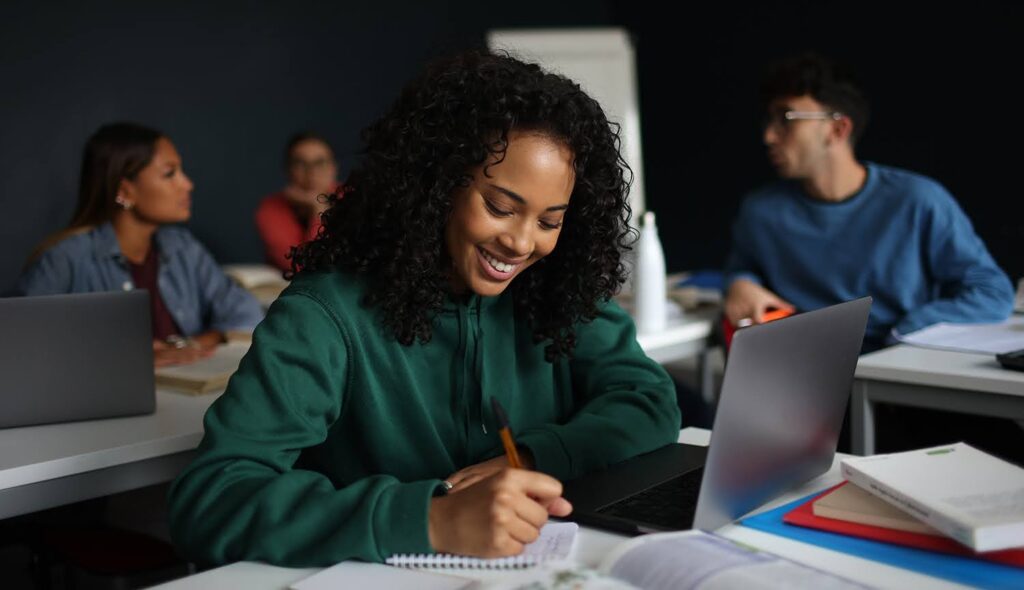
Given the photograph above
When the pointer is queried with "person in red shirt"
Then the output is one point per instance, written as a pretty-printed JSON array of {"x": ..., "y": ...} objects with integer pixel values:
[{"x": 292, "y": 216}]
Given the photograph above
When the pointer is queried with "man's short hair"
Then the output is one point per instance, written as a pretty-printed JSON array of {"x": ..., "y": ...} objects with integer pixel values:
[{"x": 827, "y": 82}]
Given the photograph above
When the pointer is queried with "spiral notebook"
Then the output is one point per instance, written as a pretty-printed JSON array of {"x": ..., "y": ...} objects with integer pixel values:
[{"x": 554, "y": 544}]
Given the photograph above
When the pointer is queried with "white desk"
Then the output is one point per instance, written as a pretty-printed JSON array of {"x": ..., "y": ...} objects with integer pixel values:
[
  {"x": 593, "y": 545},
  {"x": 930, "y": 378},
  {"x": 55, "y": 464},
  {"x": 684, "y": 337}
]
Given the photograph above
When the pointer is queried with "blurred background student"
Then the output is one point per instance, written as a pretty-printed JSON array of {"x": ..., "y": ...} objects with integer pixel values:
[
  {"x": 132, "y": 189},
  {"x": 292, "y": 216}
]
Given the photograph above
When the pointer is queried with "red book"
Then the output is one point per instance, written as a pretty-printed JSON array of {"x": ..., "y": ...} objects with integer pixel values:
[{"x": 804, "y": 516}]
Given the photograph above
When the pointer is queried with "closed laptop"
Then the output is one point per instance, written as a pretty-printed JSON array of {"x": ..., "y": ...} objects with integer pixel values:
[{"x": 75, "y": 357}]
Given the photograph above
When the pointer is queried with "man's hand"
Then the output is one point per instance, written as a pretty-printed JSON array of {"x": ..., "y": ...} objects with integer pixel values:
[{"x": 747, "y": 299}]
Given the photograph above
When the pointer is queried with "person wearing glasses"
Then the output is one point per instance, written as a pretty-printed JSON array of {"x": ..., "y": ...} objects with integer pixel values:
[
  {"x": 834, "y": 227},
  {"x": 292, "y": 216}
]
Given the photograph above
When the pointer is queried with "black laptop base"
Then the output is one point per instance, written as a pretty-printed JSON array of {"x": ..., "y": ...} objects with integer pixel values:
[{"x": 664, "y": 485}]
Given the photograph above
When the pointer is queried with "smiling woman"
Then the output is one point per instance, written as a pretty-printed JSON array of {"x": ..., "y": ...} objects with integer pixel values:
[
  {"x": 473, "y": 257},
  {"x": 510, "y": 214}
]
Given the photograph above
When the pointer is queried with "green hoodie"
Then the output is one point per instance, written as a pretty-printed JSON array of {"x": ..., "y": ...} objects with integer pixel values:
[{"x": 332, "y": 437}]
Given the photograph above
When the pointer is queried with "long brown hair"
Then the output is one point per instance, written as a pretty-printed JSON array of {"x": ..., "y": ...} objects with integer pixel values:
[{"x": 115, "y": 152}]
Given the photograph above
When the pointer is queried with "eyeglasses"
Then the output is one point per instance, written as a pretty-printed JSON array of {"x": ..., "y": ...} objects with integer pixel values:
[
  {"x": 781, "y": 120},
  {"x": 317, "y": 164}
]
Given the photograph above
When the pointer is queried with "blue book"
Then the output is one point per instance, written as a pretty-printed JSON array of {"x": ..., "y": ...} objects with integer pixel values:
[{"x": 962, "y": 570}]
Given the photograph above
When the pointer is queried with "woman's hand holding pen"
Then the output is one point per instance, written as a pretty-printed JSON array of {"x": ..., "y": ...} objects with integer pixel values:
[
  {"x": 497, "y": 515},
  {"x": 468, "y": 476},
  {"x": 494, "y": 508}
]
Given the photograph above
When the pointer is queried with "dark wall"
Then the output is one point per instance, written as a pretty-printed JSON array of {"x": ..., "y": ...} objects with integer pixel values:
[
  {"x": 229, "y": 83},
  {"x": 944, "y": 84}
]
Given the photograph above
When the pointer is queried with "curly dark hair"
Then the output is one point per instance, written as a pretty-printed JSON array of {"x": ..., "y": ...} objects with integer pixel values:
[{"x": 389, "y": 226}]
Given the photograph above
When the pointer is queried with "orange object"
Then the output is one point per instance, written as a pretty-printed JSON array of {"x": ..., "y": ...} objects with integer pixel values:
[
  {"x": 728, "y": 329},
  {"x": 506, "y": 435},
  {"x": 776, "y": 314}
]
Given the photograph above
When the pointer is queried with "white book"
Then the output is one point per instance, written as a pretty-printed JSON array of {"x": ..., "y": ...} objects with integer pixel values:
[{"x": 965, "y": 493}]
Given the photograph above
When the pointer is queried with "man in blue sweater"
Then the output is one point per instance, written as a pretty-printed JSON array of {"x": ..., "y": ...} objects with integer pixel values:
[{"x": 834, "y": 228}]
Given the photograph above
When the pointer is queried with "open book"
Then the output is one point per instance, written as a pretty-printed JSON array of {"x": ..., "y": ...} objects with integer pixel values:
[
  {"x": 205, "y": 375},
  {"x": 688, "y": 560}
]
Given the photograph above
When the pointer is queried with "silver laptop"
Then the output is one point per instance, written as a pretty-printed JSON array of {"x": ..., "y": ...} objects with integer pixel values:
[
  {"x": 777, "y": 425},
  {"x": 75, "y": 357}
]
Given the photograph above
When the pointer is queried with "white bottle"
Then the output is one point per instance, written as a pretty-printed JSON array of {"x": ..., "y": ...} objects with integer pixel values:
[{"x": 649, "y": 293}]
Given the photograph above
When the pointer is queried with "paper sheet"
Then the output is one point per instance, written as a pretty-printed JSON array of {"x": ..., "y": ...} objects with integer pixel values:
[{"x": 980, "y": 338}]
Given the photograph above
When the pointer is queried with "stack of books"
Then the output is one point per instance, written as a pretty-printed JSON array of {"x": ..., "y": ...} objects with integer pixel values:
[{"x": 952, "y": 499}]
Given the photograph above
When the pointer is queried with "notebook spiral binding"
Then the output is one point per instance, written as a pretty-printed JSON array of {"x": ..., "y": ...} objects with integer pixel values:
[{"x": 448, "y": 561}]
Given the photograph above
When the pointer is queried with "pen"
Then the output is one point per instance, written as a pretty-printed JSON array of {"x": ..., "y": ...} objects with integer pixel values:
[{"x": 506, "y": 435}]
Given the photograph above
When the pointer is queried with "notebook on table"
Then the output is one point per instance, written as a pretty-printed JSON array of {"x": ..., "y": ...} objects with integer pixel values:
[{"x": 555, "y": 543}]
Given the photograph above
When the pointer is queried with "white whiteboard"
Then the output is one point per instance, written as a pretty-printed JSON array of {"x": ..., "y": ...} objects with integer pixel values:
[{"x": 602, "y": 62}]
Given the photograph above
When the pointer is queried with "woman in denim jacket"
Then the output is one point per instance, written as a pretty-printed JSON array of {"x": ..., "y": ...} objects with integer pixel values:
[{"x": 131, "y": 191}]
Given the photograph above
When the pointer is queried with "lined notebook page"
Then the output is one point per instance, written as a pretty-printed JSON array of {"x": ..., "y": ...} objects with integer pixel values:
[{"x": 555, "y": 543}]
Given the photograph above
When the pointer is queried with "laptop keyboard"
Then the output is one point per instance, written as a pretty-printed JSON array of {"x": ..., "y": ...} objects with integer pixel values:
[{"x": 669, "y": 505}]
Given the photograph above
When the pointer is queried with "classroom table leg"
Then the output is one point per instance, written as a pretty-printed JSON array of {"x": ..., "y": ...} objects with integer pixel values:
[
  {"x": 706, "y": 373},
  {"x": 862, "y": 416}
]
